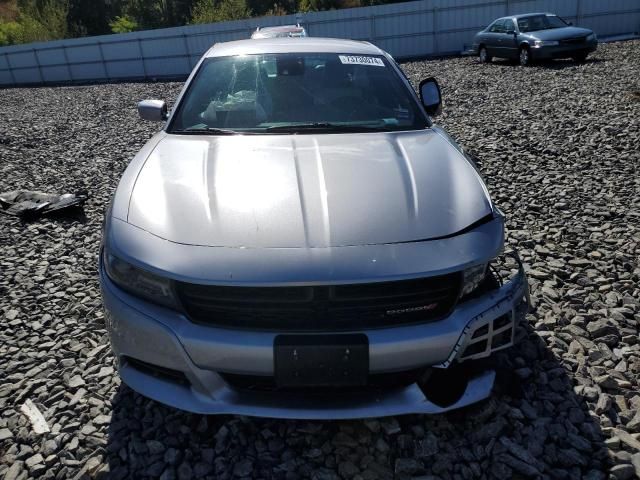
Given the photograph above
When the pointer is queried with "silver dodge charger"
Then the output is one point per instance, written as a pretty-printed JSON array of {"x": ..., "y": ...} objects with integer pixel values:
[{"x": 301, "y": 241}]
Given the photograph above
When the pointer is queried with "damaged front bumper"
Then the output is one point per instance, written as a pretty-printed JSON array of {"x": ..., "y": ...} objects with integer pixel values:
[
  {"x": 495, "y": 328},
  {"x": 165, "y": 357}
]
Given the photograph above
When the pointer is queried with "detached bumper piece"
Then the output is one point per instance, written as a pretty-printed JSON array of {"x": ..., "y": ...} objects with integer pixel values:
[
  {"x": 29, "y": 205},
  {"x": 494, "y": 329},
  {"x": 492, "y": 336}
]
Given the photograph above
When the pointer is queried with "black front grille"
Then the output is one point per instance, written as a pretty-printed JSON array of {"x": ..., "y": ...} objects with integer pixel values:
[
  {"x": 321, "y": 308},
  {"x": 573, "y": 41}
]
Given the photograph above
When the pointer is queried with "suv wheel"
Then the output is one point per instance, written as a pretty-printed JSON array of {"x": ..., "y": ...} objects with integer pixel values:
[
  {"x": 525, "y": 56},
  {"x": 483, "y": 55}
]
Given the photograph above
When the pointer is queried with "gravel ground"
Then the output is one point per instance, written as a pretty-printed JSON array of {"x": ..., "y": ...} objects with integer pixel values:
[{"x": 560, "y": 149}]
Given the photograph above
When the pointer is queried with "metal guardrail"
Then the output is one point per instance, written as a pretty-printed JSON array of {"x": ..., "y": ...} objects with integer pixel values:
[{"x": 373, "y": 15}]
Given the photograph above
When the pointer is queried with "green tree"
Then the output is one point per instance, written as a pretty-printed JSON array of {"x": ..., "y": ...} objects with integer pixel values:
[
  {"x": 211, "y": 11},
  {"x": 315, "y": 5},
  {"x": 203, "y": 11},
  {"x": 8, "y": 11},
  {"x": 23, "y": 21},
  {"x": 10, "y": 33},
  {"x": 318, "y": 5},
  {"x": 156, "y": 13},
  {"x": 36, "y": 21},
  {"x": 147, "y": 13},
  {"x": 277, "y": 10},
  {"x": 272, "y": 7},
  {"x": 90, "y": 18},
  {"x": 25, "y": 30},
  {"x": 124, "y": 24},
  {"x": 52, "y": 14}
]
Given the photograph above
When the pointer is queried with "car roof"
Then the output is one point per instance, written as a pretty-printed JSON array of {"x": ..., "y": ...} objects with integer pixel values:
[
  {"x": 292, "y": 45},
  {"x": 280, "y": 28},
  {"x": 524, "y": 15}
]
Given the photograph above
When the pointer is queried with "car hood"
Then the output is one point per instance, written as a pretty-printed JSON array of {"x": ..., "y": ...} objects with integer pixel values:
[
  {"x": 560, "y": 33},
  {"x": 306, "y": 190}
]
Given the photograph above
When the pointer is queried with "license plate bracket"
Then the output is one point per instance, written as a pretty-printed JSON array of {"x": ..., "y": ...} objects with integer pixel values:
[{"x": 321, "y": 360}]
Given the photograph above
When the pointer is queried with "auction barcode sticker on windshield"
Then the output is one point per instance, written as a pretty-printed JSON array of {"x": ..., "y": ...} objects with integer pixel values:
[{"x": 360, "y": 60}]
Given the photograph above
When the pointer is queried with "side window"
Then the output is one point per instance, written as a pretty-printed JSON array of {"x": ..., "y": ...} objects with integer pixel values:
[
  {"x": 498, "y": 27},
  {"x": 523, "y": 24},
  {"x": 509, "y": 26}
]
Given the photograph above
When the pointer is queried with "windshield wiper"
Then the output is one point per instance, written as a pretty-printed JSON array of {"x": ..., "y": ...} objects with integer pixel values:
[
  {"x": 326, "y": 126},
  {"x": 207, "y": 130}
]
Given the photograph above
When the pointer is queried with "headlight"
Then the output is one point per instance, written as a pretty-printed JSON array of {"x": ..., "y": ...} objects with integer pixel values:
[
  {"x": 591, "y": 37},
  {"x": 546, "y": 43},
  {"x": 138, "y": 282},
  {"x": 472, "y": 278}
]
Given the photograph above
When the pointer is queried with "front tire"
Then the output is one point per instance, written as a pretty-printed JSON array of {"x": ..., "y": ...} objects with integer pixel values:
[
  {"x": 524, "y": 56},
  {"x": 483, "y": 55},
  {"x": 580, "y": 58}
]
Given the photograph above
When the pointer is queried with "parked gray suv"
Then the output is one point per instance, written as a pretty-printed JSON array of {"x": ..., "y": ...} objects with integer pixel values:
[
  {"x": 534, "y": 36},
  {"x": 301, "y": 241}
]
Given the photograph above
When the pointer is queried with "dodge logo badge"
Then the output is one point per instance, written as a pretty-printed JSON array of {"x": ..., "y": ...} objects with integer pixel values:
[{"x": 421, "y": 308}]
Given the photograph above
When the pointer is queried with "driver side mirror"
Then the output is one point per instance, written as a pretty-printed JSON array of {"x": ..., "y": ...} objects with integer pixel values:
[
  {"x": 430, "y": 96},
  {"x": 153, "y": 110},
  {"x": 511, "y": 32}
]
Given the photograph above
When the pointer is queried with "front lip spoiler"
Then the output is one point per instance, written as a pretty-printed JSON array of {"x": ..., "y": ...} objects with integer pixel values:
[{"x": 304, "y": 406}]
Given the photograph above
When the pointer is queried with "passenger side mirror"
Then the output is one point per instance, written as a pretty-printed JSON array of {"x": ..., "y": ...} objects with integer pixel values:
[
  {"x": 570, "y": 23},
  {"x": 430, "y": 96},
  {"x": 153, "y": 110}
]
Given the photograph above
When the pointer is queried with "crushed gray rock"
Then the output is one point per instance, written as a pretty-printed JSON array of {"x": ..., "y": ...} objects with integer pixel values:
[
  {"x": 623, "y": 472},
  {"x": 559, "y": 150}
]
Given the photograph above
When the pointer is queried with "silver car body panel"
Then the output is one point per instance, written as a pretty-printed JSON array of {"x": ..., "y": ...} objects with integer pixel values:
[
  {"x": 306, "y": 190},
  {"x": 283, "y": 210},
  {"x": 390, "y": 349},
  {"x": 161, "y": 337},
  {"x": 302, "y": 406},
  {"x": 303, "y": 266},
  {"x": 289, "y": 45}
]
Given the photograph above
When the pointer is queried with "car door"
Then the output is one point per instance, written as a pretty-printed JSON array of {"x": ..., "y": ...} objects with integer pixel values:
[
  {"x": 493, "y": 38},
  {"x": 509, "y": 43},
  {"x": 503, "y": 39}
]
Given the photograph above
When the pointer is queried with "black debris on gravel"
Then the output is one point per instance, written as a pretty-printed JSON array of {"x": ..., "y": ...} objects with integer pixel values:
[
  {"x": 559, "y": 145},
  {"x": 31, "y": 205}
]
